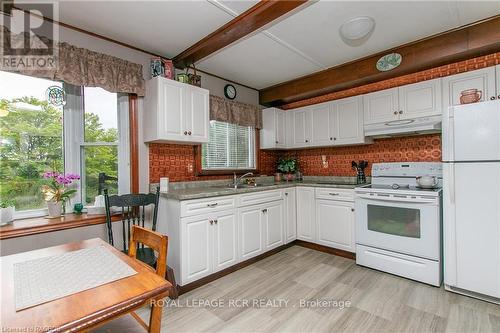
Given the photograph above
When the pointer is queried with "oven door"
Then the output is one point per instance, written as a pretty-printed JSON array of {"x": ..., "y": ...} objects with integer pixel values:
[{"x": 399, "y": 223}]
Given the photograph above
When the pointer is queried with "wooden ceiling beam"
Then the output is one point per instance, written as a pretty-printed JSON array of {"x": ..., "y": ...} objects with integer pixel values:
[
  {"x": 251, "y": 20},
  {"x": 452, "y": 46}
]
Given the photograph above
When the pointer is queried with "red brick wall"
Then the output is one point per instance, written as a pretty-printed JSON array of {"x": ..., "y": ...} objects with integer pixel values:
[
  {"x": 424, "y": 148},
  {"x": 173, "y": 161},
  {"x": 178, "y": 162}
]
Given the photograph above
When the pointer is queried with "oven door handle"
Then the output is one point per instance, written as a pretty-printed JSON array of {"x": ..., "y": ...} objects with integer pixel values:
[{"x": 396, "y": 198}]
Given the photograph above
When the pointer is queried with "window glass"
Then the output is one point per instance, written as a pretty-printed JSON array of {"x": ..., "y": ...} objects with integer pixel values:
[
  {"x": 100, "y": 146},
  {"x": 31, "y": 143},
  {"x": 230, "y": 147},
  {"x": 100, "y": 168},
  {"x": 101, "y": 116}
]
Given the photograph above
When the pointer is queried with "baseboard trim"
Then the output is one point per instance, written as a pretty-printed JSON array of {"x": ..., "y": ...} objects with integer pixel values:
[
  {"x": 326, "y": 249},
  {"x": 212, "y": 277}
]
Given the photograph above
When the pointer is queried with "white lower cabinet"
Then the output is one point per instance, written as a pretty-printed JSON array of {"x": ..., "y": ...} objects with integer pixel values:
[
  {"x": 273, "y": 225},
  {"x": 335, "y": 224},
  {"x": 290, "y": 214},
  {"x": 250, "y": 235},
  {"x": 197, "y": 243},
  {"x": 211, "y": 234},
  {"x": 225, "y": 241},
  {"x": 261, "y": 228},
  {"x": 209, "y": 244},
  {"x": 305, "y": 214}
]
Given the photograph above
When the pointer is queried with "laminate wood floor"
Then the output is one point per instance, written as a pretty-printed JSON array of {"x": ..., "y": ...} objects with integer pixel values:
[{"x": 354, "y": 299}]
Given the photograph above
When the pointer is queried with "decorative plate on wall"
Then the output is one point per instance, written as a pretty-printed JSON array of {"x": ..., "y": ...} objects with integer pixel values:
[
  {"x": 389, "y": 61},
  {"x": 56, "y": 96}
]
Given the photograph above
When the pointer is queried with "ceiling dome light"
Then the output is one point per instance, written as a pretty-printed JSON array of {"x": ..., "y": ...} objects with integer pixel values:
[{"x": 357, "y": 28}]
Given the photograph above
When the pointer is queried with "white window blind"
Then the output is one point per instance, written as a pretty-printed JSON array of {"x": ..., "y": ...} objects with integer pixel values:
[{"x": 230, "y": 146}]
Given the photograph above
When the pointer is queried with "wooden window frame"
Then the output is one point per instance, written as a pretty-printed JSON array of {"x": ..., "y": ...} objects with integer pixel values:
[{"x": 199, "y": 171}]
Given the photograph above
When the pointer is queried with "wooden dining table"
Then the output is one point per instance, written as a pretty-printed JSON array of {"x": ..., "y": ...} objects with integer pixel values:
[{"x": 85, "y": 309}]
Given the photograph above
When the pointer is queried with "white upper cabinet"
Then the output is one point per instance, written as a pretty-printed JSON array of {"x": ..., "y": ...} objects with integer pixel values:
[
  {"x": 411, "y": 101},
  {"x": 338, "y": 122},
  {"x": 346, "y": 122},
  {"x": 196, "y": 119},
  {"x": 481, "y": 79},
  {"x": 301, "y": 128},
  {"x": 320, "y": 114},
  {"x": 273, "y": 132},
  {"x": 381, "y": 106},
  {"x": 420, "y": 99},
  {"x": 175, "y": 112}
]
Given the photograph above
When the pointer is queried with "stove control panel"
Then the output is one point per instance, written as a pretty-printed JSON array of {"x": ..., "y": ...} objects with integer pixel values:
[{"x": 407, "y": 169}]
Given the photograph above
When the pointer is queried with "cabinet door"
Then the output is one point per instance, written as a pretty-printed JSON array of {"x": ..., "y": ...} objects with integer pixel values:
[
  {"x": 273, "y": 225},
  {"x": 290, "y": 215},
  {"x": 196, "y": 114},
  {"x": 420, "y": 99},
  {"x": 171, "y": 109},
  {"x": 349, "y": 120},
  {"x": 335, "y": 224},
  {"x": 320, "y": 124},
  {"x": 305, "y": 214},
  {"x": 250, "y": 231},
  {"x": 301, "y": 127},
  {"x": 289, "y": 130},
  {"x": 280, "y": 129},
  {"x": 481, "y": 79},
  {"x": 225, "y": 240},
  {"x": 196, "y": 234},
  {"x": 381, "y": 106}
]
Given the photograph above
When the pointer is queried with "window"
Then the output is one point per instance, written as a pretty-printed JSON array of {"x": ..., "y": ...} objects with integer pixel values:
[
  {"x": 230, "y": 147},
  {"x": 31, "y": 132},
  {"x": 88, "y": 136}
]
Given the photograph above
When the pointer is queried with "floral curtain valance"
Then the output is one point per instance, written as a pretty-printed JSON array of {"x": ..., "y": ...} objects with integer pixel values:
[
  {"x": 82, "y": 67},
  {"x": 232, "y": 112}
]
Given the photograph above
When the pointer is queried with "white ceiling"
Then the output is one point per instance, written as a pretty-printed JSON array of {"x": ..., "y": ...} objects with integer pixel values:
[{"x": 300, "y": 44}]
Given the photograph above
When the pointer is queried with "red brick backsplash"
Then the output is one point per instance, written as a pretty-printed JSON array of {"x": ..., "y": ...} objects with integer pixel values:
[
  {"x": 177, "y": 161},
  {"x": 424, "y": 148}
]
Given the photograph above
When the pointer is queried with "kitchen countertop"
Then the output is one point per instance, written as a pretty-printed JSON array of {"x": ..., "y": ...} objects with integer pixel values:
[{"x": 222, "y": 189}]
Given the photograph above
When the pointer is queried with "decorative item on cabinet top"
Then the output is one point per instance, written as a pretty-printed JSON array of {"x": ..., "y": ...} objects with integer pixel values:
[{"x": 470, "y": 96}]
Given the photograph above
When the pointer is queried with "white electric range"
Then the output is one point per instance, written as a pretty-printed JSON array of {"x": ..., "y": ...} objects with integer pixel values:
[{"x": 398, "y": 224}]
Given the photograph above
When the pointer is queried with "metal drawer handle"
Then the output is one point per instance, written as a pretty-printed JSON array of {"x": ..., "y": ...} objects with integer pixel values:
[
  {"x": 264, "y": 210},
  {"x": 216, "y": 221},
  {"x": 334, "y": 193},
  {"x": 212, "y": 204},
  {"x": 211, "y": 222}
]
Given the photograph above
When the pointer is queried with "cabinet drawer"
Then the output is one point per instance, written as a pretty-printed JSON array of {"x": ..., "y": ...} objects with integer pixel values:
[
  {"x": 208, "y": 205},
  {"x": 335, "y": 194},
  {"x": 260, "y": 197}
]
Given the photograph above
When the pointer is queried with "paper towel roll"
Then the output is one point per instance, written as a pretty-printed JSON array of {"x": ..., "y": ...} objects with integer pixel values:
[{"x": 164, "y": 184}]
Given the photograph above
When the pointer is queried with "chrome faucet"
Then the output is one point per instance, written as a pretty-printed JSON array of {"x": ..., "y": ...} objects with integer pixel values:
[{"x": 237, "y": 180}]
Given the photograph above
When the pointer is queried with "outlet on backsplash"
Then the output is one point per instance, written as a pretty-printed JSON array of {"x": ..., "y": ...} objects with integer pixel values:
[{"x": 324, "y": 161}]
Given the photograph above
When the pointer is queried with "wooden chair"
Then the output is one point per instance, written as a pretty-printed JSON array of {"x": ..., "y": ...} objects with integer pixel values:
[
  {"x": 133, "y": 212},
  {"x": 132, "y": 322}
]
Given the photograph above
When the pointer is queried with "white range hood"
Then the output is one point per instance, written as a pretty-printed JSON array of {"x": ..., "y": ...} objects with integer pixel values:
[{"x": 404, "y": 127}]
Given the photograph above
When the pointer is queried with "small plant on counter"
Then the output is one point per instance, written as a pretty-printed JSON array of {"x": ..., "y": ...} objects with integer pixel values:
[
  {"x": 56, "y": 191},
  {"x": 288, "y": 166}
]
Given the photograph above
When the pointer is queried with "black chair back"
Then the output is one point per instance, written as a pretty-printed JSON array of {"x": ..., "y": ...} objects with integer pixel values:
[{"x": 133, "y": 207}]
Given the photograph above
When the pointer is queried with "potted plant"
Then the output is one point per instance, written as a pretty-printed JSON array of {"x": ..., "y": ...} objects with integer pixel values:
[
  {"x": 288, "y": 166},
  {"x": 56, "y": 191},
  {"x": 7, "y": 211}
]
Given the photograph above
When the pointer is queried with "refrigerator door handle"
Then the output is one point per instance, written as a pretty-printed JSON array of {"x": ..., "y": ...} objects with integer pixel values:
[{"x": 451, "y": 184}]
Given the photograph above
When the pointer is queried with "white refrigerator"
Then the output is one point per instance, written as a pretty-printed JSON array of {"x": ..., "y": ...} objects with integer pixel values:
[{"x": 471, "y": 199}]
